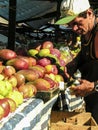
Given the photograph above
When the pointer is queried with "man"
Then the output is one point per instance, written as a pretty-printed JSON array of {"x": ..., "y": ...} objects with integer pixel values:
[{"x": 80, "y": 16}]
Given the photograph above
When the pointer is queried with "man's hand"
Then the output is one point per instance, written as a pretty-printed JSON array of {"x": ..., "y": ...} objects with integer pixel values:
[{"x": 83, "y": 89}]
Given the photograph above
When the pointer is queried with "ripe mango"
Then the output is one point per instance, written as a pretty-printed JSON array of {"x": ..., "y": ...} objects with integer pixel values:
[
  {"x": 42, "y": 84},
  {"x": 7, "y": 54},
  {"x": 29, "y": 75}
]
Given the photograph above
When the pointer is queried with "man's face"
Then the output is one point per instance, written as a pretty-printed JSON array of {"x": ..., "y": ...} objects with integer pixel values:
[{"x": 81, "y": 25}]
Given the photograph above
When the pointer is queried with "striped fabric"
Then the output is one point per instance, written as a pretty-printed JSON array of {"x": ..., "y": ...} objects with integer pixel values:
[
  {"x": 33, "y": 114},
  {"x": 29, "y": 111},
  {"x": 68, "y": 101}
]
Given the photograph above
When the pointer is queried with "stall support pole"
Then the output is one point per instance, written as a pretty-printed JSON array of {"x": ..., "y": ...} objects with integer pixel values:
[
  {"x": 57, "y": 17},
  {"x": 12, "y": 24}
]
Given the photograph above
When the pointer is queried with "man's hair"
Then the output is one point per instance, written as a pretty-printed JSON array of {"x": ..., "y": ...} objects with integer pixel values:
[
  {"x": 84, "y": 14},
  {"x": 96, "y": 12}
]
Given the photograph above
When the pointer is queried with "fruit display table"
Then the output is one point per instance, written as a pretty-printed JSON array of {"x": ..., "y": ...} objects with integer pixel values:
[{"x": 33, "y": 114}]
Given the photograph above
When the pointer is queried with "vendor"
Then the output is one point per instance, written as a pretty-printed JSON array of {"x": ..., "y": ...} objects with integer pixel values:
[{"x": 79, "y": 15}]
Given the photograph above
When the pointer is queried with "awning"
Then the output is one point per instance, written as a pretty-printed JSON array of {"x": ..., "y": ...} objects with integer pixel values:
[{"x": 33, "y": 12}]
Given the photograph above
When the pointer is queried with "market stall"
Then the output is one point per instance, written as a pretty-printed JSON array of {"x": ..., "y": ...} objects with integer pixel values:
[
  {"x": 38, "y": 90},
  {"x": 42, "y": 67}
]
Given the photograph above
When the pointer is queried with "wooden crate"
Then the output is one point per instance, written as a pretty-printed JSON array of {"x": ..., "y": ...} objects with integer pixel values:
[
  {"x": 72, "y": 121},
  {"x": 84, "y": 118},
  {"x": 61, "y": 116},
  {"x": 66, "y": 126},
  {"x": 47, "y": 95},
  {"x": 94, "y": 128}
]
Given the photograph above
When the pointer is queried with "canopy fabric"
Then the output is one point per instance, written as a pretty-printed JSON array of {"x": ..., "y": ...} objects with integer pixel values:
[{"x": 28, "y": 10}]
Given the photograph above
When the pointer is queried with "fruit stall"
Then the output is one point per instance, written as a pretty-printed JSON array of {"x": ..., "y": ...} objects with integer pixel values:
[
  {"x": 32, "y": 68},
  {"x": 29, "y": 86},
  {"x": 30, "y": 76}
]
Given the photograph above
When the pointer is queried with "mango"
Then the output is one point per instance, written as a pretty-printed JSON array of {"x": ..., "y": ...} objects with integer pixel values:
[
  {"x": 29, "y": 75},
  {"x": 7, "y": 54},
  {"x": 42, "y": 84}
]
